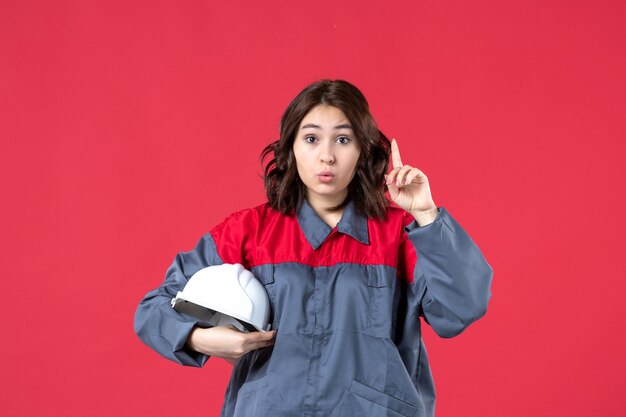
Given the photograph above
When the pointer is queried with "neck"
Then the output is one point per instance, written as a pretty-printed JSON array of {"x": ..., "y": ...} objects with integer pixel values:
[{"x": 321, "y": 204}]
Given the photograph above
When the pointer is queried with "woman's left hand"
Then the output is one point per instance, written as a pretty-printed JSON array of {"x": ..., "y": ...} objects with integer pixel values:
[{"x": 409, "y": 189}]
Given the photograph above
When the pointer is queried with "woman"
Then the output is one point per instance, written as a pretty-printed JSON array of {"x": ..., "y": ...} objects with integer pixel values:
[{"x": 347, "y": 275}]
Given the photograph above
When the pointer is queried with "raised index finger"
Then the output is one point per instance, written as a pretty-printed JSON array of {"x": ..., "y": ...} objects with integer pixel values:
[{"x": 395, "y": 154}]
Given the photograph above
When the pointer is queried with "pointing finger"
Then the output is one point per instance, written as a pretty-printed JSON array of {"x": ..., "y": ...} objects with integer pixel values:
[{"x": 395, "y": 154}]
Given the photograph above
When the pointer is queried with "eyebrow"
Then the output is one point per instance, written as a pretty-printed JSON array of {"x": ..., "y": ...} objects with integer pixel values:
[{"x": 312, "y": 125}]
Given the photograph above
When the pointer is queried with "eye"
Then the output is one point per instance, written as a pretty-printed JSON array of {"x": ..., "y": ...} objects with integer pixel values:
[
  {"x": 344, "y": 140},
  {"x": 310, "y": 139}
]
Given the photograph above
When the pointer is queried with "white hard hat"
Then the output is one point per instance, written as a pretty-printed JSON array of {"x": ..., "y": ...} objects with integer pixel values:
[{"x": 225, "y": 294}]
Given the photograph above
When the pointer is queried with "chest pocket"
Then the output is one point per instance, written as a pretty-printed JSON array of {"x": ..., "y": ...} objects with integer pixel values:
[{"x": 383, "y": 300}]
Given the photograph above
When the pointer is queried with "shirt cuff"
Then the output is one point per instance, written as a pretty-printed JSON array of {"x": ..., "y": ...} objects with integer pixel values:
[{"x": 415, "y": 225}]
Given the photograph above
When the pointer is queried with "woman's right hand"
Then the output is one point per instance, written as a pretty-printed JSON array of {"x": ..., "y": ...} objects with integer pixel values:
[{"x": 227, "y": 342}]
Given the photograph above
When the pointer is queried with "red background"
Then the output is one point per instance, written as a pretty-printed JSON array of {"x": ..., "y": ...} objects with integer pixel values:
[{"x": 128, "y": 129}]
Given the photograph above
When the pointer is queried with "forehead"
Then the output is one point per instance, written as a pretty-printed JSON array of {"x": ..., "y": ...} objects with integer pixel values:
[{"x": 324, "y": 116}]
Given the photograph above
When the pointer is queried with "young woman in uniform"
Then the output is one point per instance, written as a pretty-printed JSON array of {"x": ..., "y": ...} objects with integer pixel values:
[{"x": 349, "y": 277}]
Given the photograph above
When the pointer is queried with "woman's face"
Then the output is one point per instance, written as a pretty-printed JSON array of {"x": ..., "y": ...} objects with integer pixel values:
[{"x": 326, "y": 153}]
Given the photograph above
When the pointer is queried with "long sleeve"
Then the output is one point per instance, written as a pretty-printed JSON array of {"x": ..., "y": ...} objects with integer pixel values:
[
  {"x": 161, "y": 327},
  {"x": 451, "y": 278}
]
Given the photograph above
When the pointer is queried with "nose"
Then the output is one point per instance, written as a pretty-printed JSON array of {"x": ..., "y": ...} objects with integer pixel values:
[{"x": 326, "y": 153}]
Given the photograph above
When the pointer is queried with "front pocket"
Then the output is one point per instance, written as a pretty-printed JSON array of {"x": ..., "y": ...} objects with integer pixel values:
[{"x": 378, "y": 403}]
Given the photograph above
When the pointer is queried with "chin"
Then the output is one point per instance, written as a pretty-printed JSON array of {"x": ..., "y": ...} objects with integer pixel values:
[{"x": 328, "y": 191}]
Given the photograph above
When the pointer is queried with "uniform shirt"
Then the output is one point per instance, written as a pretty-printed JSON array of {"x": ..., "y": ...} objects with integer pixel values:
[{"x": 346, "y": 303}]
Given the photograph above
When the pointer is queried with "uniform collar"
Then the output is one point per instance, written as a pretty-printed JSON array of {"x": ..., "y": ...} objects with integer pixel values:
[{"x": 316, "y": 231}]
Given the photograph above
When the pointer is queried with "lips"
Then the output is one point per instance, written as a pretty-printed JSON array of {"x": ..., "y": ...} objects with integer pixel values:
[{"x": 325, "y": 176}]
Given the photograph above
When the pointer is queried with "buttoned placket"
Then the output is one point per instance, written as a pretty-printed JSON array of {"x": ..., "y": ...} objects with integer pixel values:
[{"x": 317, "y": 233}]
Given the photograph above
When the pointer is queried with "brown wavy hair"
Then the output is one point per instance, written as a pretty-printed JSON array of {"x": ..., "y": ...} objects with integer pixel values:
[{"x": 283, "y": 186}]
